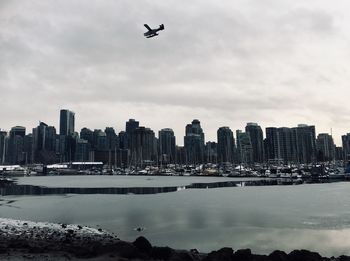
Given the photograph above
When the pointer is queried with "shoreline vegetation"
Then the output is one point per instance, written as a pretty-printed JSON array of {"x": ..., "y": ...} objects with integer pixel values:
[{"x": 26, "y": 240}]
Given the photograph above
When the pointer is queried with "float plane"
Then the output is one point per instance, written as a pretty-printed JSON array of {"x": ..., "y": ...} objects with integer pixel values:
[{"x": 152, "y": 32}]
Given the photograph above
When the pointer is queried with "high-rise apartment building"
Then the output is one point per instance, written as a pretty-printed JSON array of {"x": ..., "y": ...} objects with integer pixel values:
[
  {"x": 346, "y": 147},
  {"x": 305, "y": 142},
  {"x": 130, "y": 126},
  {"x": 3, "y": 139},
  {"x": 15, "y": 145},
  {"x": 67, "y": 122},
  {"x": 143, "y": 147},
  {"x": 325, "y": 147},
  {"x": 225, "y": 145},
  {"x": 257, "y": 140},
  {"x": 44, "y": 144},
  {"x": 244, "y": 148},
  {"x": 167, "y": 145},
  {"x": 194, "y": 143}
]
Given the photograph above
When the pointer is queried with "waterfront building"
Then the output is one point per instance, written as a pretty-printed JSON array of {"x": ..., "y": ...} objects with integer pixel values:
[
  {"x": 67, "y": 122},
  {"x": 123, "y": 141},
  {"x": 338, "y": 153},
  {"x": 211, "y": 152},
  {"x": 305, "y": 141},
  {"x": 167, "y": 144},
  {"x": 346, "y": 147},
  {"x": 225, "y": 145},
  {"x": 112, "y": 138},
  {"x": 272, "y": 145},
  {"x": 194, "y": 143},
  {"x": 256, "y": 137},
  {"x": 287, "y": 147},
  {"x": 325, "y": 147},
  {"x": 180, "y": 155},
  {"x": 67, "y": 138},
  {"x": 82, "y": 150},
  {"x": 88, "y": 135},
  {"x": 143, "y": 147},
  {"x": 28, "y": 149},
  {"x": 3, "y": 139},
  {"x": 15, "y": 145},
  {"x": 130, "y": 126},
  {"x": 244, "y": 148},
  {"x": 44, "y": 144},
  {"x": 100, "y": 140},
  {"x": 279, "y": 146}
]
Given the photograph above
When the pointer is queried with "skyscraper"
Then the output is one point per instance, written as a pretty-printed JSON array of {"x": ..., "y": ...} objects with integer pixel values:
[
  {"x": 67, "y": 121},
  {"x": 15, "y": 145},
  {"x": 256, "y": 137},
  {"x": 194, "y": 143},
  {"x": 3, "y": 135},
  {"x": 325, "y": 147},
  {"x": 44, "y": 144},
  {"x": 225, "y": 145},
  {"x": 346, "y": 146},
  {"x": 211, "y": 152},
  {"x": 167, "y": 146},
  {"x": 287, "y": 148},
  {"x": 244, "y": 147},
  {"x": 305, "y": 140},
  {"x": 143, "y": 146},
  {"x": 272, "y": 148},
  {"x": 87, "y": 134},
  {"x": 279, "y": 146},
  {"x": 130, "y": 126}
]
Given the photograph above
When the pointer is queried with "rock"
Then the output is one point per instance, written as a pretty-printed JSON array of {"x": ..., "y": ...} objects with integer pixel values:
[
  {"x": 304, "y": 255},
  {"x": 35, "y": 250},
  {"x": 127, "y": 250},
  {"x": 143, "y": 245},
  {"x": 181, "y": 256},
  {"x": 242, "y": 254},
  {"x": 162, "y": 253},
  {"x": 278, "y": 256},
  {"x": 223, "y": 254},
  {"x": 343, "y": 258}
]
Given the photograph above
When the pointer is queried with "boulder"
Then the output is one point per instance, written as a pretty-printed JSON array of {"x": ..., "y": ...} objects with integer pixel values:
[
  {"x": 278, "y": 255},
  {"x": 223, "y": 254},
  {"x": 143, "y": 245},
  {"x": 242, "y": 255},
  {"x": 343, "y": 258},
  {"x": 162, "y": 253},
  {"x": 304, "y": 255},
  {"x": 127, "y": 250},
  {"x": 182, "y": 256}
]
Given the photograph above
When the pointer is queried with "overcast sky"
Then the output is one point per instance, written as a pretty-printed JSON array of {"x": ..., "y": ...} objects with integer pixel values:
[{"x": 274, "y": 62}]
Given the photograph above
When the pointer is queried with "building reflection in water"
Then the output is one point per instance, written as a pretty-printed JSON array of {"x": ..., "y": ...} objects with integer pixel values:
[{"x": 15, "y": 189}]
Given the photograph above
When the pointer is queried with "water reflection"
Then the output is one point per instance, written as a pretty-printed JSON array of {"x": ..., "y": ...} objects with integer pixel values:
[{"x": 14, "y": 189}]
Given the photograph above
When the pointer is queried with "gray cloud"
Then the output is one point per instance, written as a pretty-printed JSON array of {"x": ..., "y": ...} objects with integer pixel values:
[{"x": 227, "y": 63}]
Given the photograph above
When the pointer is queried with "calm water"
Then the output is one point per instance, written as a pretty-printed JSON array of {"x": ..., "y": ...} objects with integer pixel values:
[{"x": 263, "y": 218}]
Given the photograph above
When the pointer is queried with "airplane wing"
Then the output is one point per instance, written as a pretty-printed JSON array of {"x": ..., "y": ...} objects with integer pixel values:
[{"x": 148, "y": 28}]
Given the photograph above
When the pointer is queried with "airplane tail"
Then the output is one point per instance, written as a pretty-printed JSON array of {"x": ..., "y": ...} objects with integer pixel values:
[{"x": 161, "y": 27}]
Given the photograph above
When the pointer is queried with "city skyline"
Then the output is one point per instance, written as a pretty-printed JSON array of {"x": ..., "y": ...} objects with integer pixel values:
[
  {"x": 179, "y": 141},
  {"x": 138, "y": 145},
  {"x": 227, "y": 64}
]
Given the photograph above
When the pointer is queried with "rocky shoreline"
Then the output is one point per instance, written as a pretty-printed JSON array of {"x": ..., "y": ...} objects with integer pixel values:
[{"x": 25, "y": 240}]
